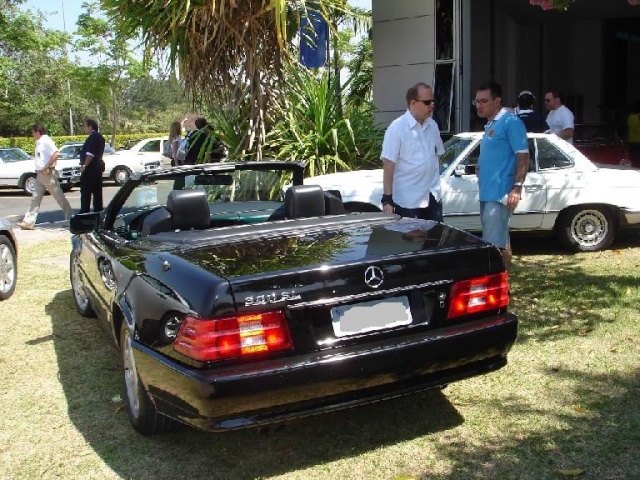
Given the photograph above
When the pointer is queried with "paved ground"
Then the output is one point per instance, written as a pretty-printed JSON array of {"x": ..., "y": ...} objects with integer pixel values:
[{"x": 42, "y": 233}]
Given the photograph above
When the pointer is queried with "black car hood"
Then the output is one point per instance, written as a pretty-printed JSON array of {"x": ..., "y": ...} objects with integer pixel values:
[{"x": 307, "y": 244}]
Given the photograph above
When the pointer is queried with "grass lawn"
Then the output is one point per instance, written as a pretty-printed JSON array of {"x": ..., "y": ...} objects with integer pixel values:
[{"x": 566, "y": 406}]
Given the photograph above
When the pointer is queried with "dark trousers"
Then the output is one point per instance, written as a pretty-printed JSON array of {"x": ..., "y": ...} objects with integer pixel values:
[
  {"x": 91, "y": 186},
  {"x": 432, "y": 212}
]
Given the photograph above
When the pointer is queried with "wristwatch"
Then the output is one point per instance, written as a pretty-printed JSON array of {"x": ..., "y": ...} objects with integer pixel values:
[{"x": 517, "y": 184}]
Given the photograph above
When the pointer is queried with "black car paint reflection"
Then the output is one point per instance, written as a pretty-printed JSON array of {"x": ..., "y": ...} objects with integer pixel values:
[{"x": 305, "y": 267}]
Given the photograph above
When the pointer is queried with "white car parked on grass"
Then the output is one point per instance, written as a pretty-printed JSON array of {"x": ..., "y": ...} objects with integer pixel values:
[
  {"x": 18, "y": 169},
  {"x": 144, "y": 156},
  {"x": 584, "y": 205}
]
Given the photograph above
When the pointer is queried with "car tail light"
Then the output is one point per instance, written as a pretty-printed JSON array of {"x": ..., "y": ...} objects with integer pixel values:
[
  {"x": 478, "y": 295},
  {"x": 229, "y": 337}
]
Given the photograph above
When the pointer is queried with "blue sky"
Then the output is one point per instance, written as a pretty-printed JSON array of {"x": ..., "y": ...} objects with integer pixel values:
[{"x": 53, "y": 10}]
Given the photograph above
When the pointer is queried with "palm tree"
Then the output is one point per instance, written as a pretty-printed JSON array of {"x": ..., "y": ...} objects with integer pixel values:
[{"x": 236, "y": 46}]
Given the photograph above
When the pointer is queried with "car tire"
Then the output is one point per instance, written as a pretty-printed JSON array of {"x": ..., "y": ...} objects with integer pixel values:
[
  {"x": 120, "y": 175},
  {"x": 586, "y": 228},
  {"x": 29, "y": 184},
  {"x": 66, "y": 188},
  {"x": 143, "y": 415},
  {"x": 80, "y": 297},
  {"x": 8, "y": 268}
]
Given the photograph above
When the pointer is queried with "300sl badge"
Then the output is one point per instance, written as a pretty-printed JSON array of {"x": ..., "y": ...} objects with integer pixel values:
[{"x": 274, "y": 297}]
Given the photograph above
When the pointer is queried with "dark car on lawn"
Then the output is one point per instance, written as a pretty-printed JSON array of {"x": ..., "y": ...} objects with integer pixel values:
[
  {"x": 239, "y": 297},
  {"x": 8, "y": 260},
  {"x": 600, "y": 143}
]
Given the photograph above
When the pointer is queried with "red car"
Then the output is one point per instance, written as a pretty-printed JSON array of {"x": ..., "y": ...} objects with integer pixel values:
[{"x": 600, "y": 143}]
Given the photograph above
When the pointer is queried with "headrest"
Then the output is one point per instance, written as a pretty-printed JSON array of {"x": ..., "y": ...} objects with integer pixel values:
[
  {"x": 333, "y": 203},
  {"x": 303, "y": 201},
  {"x": 189, "y": 209}
]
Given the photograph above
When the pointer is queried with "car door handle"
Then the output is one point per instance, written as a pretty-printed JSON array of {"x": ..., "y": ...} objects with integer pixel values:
[{"x": 533, "y": 187}]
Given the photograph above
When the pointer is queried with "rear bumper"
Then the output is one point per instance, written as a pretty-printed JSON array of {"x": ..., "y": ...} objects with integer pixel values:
[{"x": 280, "y": 389}]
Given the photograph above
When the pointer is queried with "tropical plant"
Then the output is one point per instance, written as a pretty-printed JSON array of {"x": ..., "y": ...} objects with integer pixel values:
[
  {"x": 308, "y": 126},
  {"x": 361, "y": 67},
  {"x": 221, "y": 45}
]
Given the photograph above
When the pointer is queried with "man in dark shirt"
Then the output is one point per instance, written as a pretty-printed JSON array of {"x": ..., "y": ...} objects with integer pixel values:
[
  {"x": 91, "y": 166},
  {"x": 533, "y": 120},
  {"x": 203, "y": 145}
]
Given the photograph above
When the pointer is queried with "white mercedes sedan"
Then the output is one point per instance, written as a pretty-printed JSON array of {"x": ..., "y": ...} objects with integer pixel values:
[{"x": 582, "y": 203}]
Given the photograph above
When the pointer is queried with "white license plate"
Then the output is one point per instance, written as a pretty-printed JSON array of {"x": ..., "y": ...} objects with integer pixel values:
[{"x": 369, "y": 316}]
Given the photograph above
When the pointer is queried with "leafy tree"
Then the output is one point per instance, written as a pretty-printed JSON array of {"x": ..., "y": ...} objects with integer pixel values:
[
  {"x": 116, "y": 64},
  {"x": 153, "y": 103},
  {"x": 361, "y": 70},
  {"x": 32, "y": 60}
]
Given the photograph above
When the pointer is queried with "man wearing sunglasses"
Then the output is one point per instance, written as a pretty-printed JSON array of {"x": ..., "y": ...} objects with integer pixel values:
[{"x": 410, "y": 150}]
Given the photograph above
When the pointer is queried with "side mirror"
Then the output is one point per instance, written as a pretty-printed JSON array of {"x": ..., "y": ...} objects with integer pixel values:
[
  {"x": 84, "y": 222},
  {"x": 461, "y": 170}
]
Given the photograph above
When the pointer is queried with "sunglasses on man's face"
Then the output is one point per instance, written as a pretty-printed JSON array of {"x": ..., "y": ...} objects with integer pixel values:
[{"x": 426, "y": 102}]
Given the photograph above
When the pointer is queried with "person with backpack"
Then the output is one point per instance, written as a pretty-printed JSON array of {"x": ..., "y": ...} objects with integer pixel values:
[{"x": 202, "y": 144}]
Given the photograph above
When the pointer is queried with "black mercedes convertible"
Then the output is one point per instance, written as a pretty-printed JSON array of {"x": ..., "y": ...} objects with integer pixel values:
[{"x": 240, "y": 297}]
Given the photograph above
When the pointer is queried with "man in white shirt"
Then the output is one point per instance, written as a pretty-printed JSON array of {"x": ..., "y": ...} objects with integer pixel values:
[
  {"x": 560, "y": 118},
  {"x": 410, "y": 151},
  {"x": 46, "y": 157}
]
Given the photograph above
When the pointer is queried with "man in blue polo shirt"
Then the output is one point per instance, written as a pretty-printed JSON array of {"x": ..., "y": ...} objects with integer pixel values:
[{"x": 502, "y": 166}]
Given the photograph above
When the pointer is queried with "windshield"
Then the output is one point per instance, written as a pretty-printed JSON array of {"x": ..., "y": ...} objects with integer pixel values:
[
  {"x": 13, "y": 155},
  {"x": 452, "y": 149}
]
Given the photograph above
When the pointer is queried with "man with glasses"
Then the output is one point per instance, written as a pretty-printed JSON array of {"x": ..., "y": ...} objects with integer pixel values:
[
  {"x": 560, "y": 118},
  {"x": 410, "y": 151},
  {"x": 502, "y": 166}
]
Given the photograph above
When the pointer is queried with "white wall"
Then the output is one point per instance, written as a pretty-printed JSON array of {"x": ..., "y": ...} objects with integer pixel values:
[{"x": 403, "y": 52}]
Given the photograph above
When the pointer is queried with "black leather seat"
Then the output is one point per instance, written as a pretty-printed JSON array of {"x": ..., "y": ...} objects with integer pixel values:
[
  {"x": 189, "y": 209},
  {"x": 157, "y": 221},
  {"x": 302, "y": 201},
  {"x": 333, "y": 203}
]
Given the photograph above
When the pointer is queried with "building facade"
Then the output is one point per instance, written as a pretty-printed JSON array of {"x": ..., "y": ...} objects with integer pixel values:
[{"x": 590, "y": 53}]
